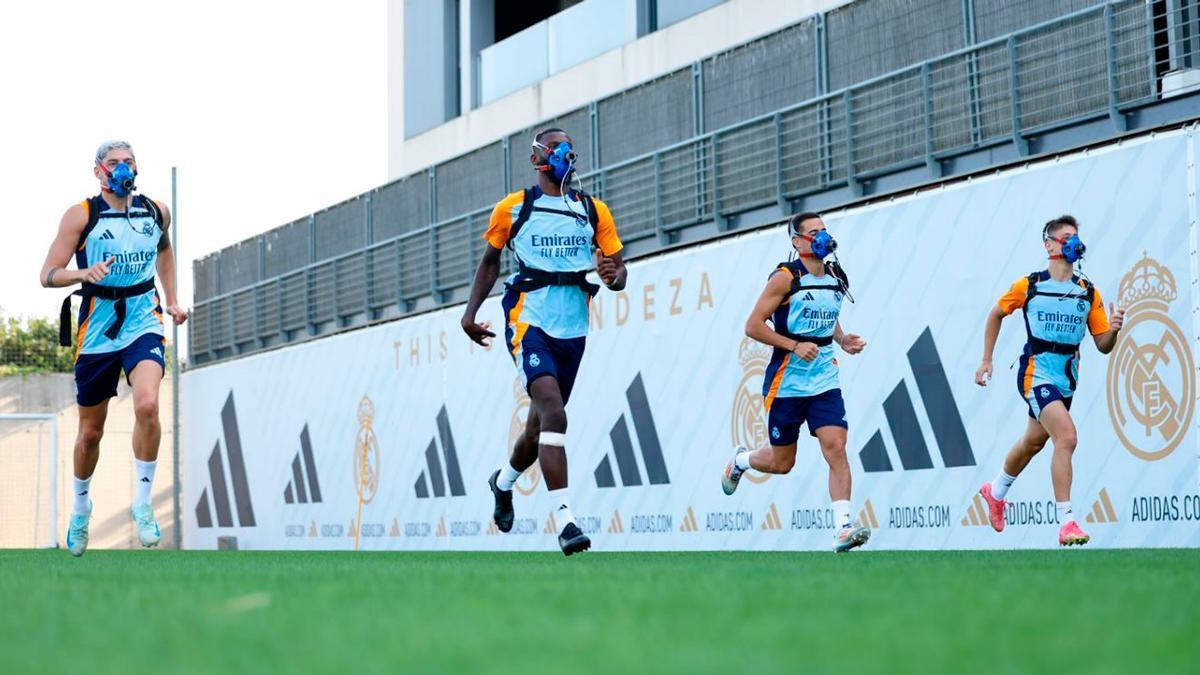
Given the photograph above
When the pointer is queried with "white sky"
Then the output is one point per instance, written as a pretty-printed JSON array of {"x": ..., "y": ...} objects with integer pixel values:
[{"x": 271, "y": 110}]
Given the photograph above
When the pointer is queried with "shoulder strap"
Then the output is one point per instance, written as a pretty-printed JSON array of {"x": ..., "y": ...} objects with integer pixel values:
[
  {"x": 589, "y": 206},
  {"x": 94, "y": 206},
  {"x": 1031, "y": 287},
  {"x": 1089, "y": 290},
  {"x": 522, "y": 215},
  {"x": 791, "y": 268},
  {"x": 151, "y": 206},
  {"x": 835, "y": 269}
]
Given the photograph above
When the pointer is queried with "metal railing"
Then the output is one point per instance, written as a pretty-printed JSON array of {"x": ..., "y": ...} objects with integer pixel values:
[{"x": 1106, "y": 61}]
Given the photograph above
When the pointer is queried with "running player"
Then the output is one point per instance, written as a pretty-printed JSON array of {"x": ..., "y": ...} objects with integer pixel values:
[
  {"x": 552, "y": 231},
  {"x": 1059, "y": 307},
  {"x": 119, "y": 240},
  {"x": 802, "y": 301}
]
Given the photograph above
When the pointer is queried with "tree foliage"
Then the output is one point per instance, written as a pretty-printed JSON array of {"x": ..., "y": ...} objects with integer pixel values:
[{"x": 30, "y": 345}]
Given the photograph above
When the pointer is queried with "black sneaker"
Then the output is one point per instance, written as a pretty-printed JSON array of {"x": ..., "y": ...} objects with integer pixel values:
[
  {"x": 503, "y": 514},
  {"x": 573, "y": 540}
]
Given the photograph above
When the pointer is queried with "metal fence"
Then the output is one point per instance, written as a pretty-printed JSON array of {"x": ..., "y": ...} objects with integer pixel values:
[{"x": 401, "y": 247}]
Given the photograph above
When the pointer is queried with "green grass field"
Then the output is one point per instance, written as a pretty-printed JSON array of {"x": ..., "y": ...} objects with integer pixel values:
[{"x": 224, "y": 612}]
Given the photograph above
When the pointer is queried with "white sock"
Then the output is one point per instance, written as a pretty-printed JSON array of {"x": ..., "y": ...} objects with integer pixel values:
[
  {"x": 1001, "y": 484},
  {"x": 508, "y": 476},
  {"x": 742, "y": 461},
  {"x": 145, "y": 481},
  {"x": 561, "y": 508},
  {"x": 81, "y": 494},
  {"x": 841, "y": 513},
  {"x": 1064, "y": 512}
]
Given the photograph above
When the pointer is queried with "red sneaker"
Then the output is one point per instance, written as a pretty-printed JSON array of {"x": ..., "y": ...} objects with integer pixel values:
[
  {"x": 995, "y": 507},
  {"x": 1071, "y": 535}
]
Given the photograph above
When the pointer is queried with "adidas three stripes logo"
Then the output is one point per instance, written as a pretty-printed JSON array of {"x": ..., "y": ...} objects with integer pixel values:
[
  {"x": 305, "y": 486},
  {"x": 219, "y": 486},
  {"x": 628, "y": 470},
  {"x": 433, "y": 481},
  {"x": 940, "y": 408}
]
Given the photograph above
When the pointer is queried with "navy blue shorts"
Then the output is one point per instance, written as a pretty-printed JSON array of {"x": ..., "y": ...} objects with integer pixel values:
[
  {"x": 96, "y": 375},
  {"x": 539, "y": 355},
  {"x": 1042, "y": 396},
  {"x": 785, "y": 416}
]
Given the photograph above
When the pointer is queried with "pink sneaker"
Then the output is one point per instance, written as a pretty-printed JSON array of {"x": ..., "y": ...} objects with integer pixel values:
[
  {"x": 1071, "y": 535},
  {"x": 995, "y": 507}
]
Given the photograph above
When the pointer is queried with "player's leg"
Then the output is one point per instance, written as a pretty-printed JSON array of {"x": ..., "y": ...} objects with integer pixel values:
[
  {"x": 783, "y": 422},
  {"x": 87, "y": 443},
  {"x": 826, "y": 417},
  {"x": 87, "y": 453},
  {"x": 1056, "y": 418},
  {"x": 1029, "y": 444},
  {"x": 522, "y": 342},
  {"x": 848, "y": 535},
  {"x": 96, "y": 377},
  {"x": 144, "y": 366},
  {"x": 550, "y": 396},
  {"x": 524, "y": 454},
  {"x": 552, "y": 458},
  {"x": 525, "y": 448},
  {"x": 1019, "y": 455}
]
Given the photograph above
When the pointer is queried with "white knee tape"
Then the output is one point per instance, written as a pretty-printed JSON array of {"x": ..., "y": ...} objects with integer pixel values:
[{"x": 552, "y": 438}]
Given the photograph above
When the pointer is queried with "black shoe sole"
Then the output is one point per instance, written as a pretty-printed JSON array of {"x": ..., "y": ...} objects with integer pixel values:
[
  {"x": 577, "y": 545},
  {"x": 503, "y": 527}
]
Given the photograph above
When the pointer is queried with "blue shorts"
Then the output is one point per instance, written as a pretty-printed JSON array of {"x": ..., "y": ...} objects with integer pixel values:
[
  {"x": 96, "y": 375},
  {"x": 1043, "y": 395},
  {"x": 785, "y": 415}
]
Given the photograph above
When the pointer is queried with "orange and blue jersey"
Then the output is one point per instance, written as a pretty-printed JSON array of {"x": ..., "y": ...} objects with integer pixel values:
[
  {"x": 557, "y": 237},
  {"x": 809, "y": 314},
  {"x": 131, "y": 240},
  {"x": 1058, "y": 316}
]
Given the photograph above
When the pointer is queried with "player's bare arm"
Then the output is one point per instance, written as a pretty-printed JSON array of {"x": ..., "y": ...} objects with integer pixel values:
[
  {"x": 991, "y": 331},
  {"x": 1107, "y": 341},
  {"x": 54, "y": 272},
  {"x": 612, "y": 270},
  {"x": 485, "y": 279},
  {"x": 166, "y": 269},
  {"x": 849, "y": 342},
  {"x": 756, "y": 326}
]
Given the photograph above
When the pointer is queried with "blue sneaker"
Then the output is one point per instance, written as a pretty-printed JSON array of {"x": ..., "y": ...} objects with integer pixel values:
[
  {"x": 77, "y": 531},
  {"x": 147, "y": 527}
]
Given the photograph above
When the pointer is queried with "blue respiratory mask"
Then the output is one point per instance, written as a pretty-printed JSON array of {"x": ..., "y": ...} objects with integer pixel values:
[
  {"x": 822, "y": 242},
  {"x": 1072, "y": 249},
  {"x": 120, "y": 179},
  {"x": 560, "y": 162}
]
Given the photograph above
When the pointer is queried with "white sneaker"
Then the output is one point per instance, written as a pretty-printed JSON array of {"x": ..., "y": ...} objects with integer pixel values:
[
  {"x": 732, "y": 474},
  {"x": 77, "y": 531},
  {"x": 147, "y": 527}
]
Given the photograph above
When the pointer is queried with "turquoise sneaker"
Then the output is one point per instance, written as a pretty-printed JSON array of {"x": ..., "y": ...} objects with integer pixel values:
[
  {"x": 850, "y": 537},
  {"x": 77, "y": 531},
  {"x": 147, "y": 527}
]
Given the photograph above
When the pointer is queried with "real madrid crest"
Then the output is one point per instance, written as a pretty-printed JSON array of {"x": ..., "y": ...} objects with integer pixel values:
[
  {"x": 1151, "y": 378},
  {"x": 748, "y": 422},
  {"x": 366, "y": 453},
  {"x": 529, "y": 480}
]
